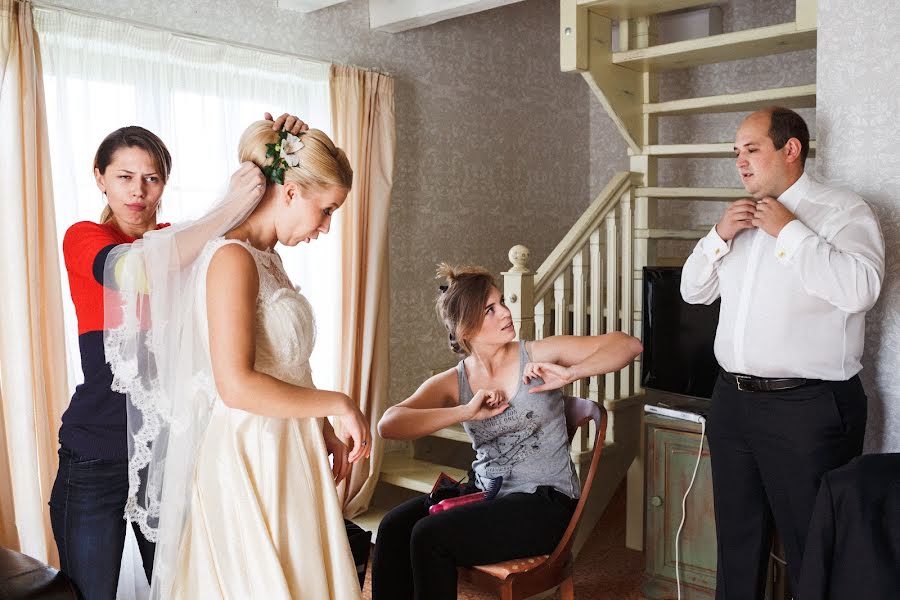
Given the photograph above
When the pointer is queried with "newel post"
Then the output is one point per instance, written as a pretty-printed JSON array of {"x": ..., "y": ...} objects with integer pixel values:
[{"x": 518, "y": 288}]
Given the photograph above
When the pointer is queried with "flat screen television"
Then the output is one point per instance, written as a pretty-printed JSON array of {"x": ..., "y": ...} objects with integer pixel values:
[{"x": 678, "y": 337}]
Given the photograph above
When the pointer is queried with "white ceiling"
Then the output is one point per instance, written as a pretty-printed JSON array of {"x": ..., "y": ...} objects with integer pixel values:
[{"x": 400, "y": 15}]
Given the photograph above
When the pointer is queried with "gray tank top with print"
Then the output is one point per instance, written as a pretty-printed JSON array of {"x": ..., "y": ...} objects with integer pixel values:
[{"x": 527, "y": 444}]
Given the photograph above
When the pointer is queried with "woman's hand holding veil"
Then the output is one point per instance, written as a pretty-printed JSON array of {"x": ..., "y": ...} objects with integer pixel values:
[{"x": 246, "y": 187}]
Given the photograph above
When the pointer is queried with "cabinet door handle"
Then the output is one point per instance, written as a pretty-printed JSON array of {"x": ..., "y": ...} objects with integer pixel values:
[{"x": 656, "y": 501}]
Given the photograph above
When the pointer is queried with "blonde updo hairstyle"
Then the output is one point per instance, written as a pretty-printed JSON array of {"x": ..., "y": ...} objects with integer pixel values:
[
  {"x": 322, "y": 164},
  {"x": 460, "y": 306}
]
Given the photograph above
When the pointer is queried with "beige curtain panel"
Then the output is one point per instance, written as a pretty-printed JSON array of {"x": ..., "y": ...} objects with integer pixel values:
[
  {"x": 362, "y": 107},
  {"x": 33, "y": 388}
]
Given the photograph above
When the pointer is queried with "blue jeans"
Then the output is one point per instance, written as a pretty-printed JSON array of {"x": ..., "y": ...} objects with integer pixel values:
[{"x": 87, "y": 505}]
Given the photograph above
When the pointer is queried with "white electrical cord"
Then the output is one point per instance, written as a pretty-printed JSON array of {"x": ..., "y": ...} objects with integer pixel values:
[{"x": 702, "y": 422}]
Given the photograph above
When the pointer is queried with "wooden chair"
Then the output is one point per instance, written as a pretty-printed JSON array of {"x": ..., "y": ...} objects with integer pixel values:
[{"x": 524, "y": 577}]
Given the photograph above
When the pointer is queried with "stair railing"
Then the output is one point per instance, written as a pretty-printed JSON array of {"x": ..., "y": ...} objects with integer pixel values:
[{"x": 586, "y": 286}]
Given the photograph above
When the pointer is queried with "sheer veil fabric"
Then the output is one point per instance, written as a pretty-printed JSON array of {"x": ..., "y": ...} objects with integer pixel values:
[{"x": 162, "y": 367}]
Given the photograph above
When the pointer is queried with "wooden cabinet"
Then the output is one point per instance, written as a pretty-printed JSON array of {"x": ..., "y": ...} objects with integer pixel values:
[
  {"x": 671, "y": 453},
  {"x": 670, "y": 448}
]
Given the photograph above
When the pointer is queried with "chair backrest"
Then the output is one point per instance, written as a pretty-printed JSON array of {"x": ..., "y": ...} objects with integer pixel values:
[{"x": 580, "y": 412}]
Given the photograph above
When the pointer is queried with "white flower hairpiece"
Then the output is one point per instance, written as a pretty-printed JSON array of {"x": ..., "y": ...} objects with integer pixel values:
[
  {"x": 290, "y": 148},
  {"x": 284, "y": 153}
]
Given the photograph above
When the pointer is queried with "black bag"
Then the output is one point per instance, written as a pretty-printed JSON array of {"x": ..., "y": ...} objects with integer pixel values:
[
  {"x": 447, "y": 487},
  {"x": 360, "y": 545}
]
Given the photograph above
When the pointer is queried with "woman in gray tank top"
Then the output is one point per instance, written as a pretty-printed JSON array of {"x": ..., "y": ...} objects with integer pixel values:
[{"x": 507, "y": 395}]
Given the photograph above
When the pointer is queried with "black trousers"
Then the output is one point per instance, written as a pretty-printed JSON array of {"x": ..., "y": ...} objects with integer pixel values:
[
  {"x": 416, "y": 554},
  {"x": 769, "y": 451}
]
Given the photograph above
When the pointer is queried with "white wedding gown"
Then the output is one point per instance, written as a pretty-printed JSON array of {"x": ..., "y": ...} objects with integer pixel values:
[{"x": 264, "y": 518}]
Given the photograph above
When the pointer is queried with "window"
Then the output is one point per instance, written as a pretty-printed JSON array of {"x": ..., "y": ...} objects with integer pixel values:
[{"x": 198, "y": 97}]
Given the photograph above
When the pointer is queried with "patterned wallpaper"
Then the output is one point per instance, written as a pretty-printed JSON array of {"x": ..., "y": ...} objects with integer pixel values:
[
  {"x": 492, "y": 148},
  {"x": 858, "y": 106},
  {"x": 796, "y": 68}
]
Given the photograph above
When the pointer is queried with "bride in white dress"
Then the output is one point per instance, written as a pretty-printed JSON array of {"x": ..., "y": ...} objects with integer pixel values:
[{"x": 229, "y": 466}]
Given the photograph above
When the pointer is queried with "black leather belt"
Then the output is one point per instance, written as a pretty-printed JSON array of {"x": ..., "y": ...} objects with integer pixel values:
[{"x": 749, "y": 383}]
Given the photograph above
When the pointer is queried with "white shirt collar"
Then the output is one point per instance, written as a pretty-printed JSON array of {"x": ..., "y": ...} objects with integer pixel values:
[{"x": 792, "y": 196}]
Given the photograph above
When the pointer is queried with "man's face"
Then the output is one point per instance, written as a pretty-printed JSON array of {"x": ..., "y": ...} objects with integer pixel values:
[{"x": 762, "y": 168}]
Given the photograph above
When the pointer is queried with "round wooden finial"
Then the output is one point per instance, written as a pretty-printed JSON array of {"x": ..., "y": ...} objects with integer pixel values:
[{"x": 518, "y": 256}]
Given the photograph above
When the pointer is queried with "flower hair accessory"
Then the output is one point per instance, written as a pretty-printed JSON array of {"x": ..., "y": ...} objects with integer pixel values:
[{"x": 284, "y": 153}]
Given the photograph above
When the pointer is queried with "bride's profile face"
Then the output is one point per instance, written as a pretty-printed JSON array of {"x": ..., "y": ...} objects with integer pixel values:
[{"x": 305, "y": 214}]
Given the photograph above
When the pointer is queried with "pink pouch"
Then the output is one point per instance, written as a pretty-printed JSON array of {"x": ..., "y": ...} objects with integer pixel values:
[
  {"x": 458, "y": 501},
  {"x": 493, "y": 488}
]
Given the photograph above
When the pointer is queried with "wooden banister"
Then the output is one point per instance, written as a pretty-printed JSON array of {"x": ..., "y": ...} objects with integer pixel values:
[{"x": 561, "y": 257}]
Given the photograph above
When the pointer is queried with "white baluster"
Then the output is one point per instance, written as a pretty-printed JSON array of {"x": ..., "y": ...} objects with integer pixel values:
[
  {"x": 596, "y": 328},
  {"x": 541, "y": 318},
  {"x": 561, "y": 291},
  {"x": 625, "y": 378},
  {"x": 612, "y": 291},
  {"x": 579, "y": 305},
  {"x": 580, "y": 267}
]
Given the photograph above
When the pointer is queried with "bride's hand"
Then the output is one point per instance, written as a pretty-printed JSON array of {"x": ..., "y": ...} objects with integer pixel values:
[
  {"x": 355, "y": 427},
  {"x": 338, "y": 450}
]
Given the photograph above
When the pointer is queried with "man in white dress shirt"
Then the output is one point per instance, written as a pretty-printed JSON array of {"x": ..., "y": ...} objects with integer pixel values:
[{"x": 796, "y": 266}]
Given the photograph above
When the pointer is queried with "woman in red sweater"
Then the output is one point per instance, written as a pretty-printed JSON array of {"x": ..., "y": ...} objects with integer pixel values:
[{"x": 87, "y": 502}]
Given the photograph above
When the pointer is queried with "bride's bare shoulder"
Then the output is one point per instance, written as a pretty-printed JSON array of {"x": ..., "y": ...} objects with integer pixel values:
[{"x": 231, "y": 262}]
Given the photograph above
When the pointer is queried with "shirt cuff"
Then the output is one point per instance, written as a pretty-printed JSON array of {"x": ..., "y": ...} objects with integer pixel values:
[
  {"x": 714, "y": 247},
  {"x": 790, "y": 238}
]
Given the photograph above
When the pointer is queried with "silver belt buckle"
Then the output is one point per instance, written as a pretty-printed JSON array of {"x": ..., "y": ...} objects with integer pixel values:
[{"x": 738, "y": 379}]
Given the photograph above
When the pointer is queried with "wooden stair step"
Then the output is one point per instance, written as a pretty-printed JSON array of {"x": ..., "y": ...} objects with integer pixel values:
[
  {"x": 371, "y": 519},
  {"x": 690, "y": 193},
  {"x": 630, "y": 9},
  {"x": 670, "y": 234},
  {"x": 800, "y": 96},
  {"x": 719, "y": 150},
  {"x": 455, "y": 433},
  {"x": 736, "y": 45},
  {"x": 414, "y": 474}
]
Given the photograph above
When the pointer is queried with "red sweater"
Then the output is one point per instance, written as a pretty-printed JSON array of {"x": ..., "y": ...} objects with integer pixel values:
[{"x": 94, "y": 424}]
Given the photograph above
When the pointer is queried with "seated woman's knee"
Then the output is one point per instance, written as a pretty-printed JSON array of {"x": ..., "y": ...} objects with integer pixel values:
[{"x": 426, "y": 536}]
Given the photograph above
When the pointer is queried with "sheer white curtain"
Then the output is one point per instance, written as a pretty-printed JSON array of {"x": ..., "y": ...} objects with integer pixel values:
[{"x": 198, "y": 97}]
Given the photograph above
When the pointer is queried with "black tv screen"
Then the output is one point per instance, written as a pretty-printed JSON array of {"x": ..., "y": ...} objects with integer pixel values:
[{"x": 678, "y": 337}]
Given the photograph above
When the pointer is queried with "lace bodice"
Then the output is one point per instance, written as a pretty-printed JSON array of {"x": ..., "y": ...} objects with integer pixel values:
[{"x": 285, "y": 324}]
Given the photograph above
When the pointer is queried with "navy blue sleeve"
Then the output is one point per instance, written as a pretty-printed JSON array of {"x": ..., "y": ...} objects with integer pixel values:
[{"x": 100, "y": 262}]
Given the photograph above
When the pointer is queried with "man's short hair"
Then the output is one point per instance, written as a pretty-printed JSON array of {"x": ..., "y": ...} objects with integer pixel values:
[{"x": 787, "y": 124}]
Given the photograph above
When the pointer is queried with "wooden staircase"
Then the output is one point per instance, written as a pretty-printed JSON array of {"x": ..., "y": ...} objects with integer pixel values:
[
  {"x": 625, "y": 80},
  {"x": 591, "y": 282}
]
